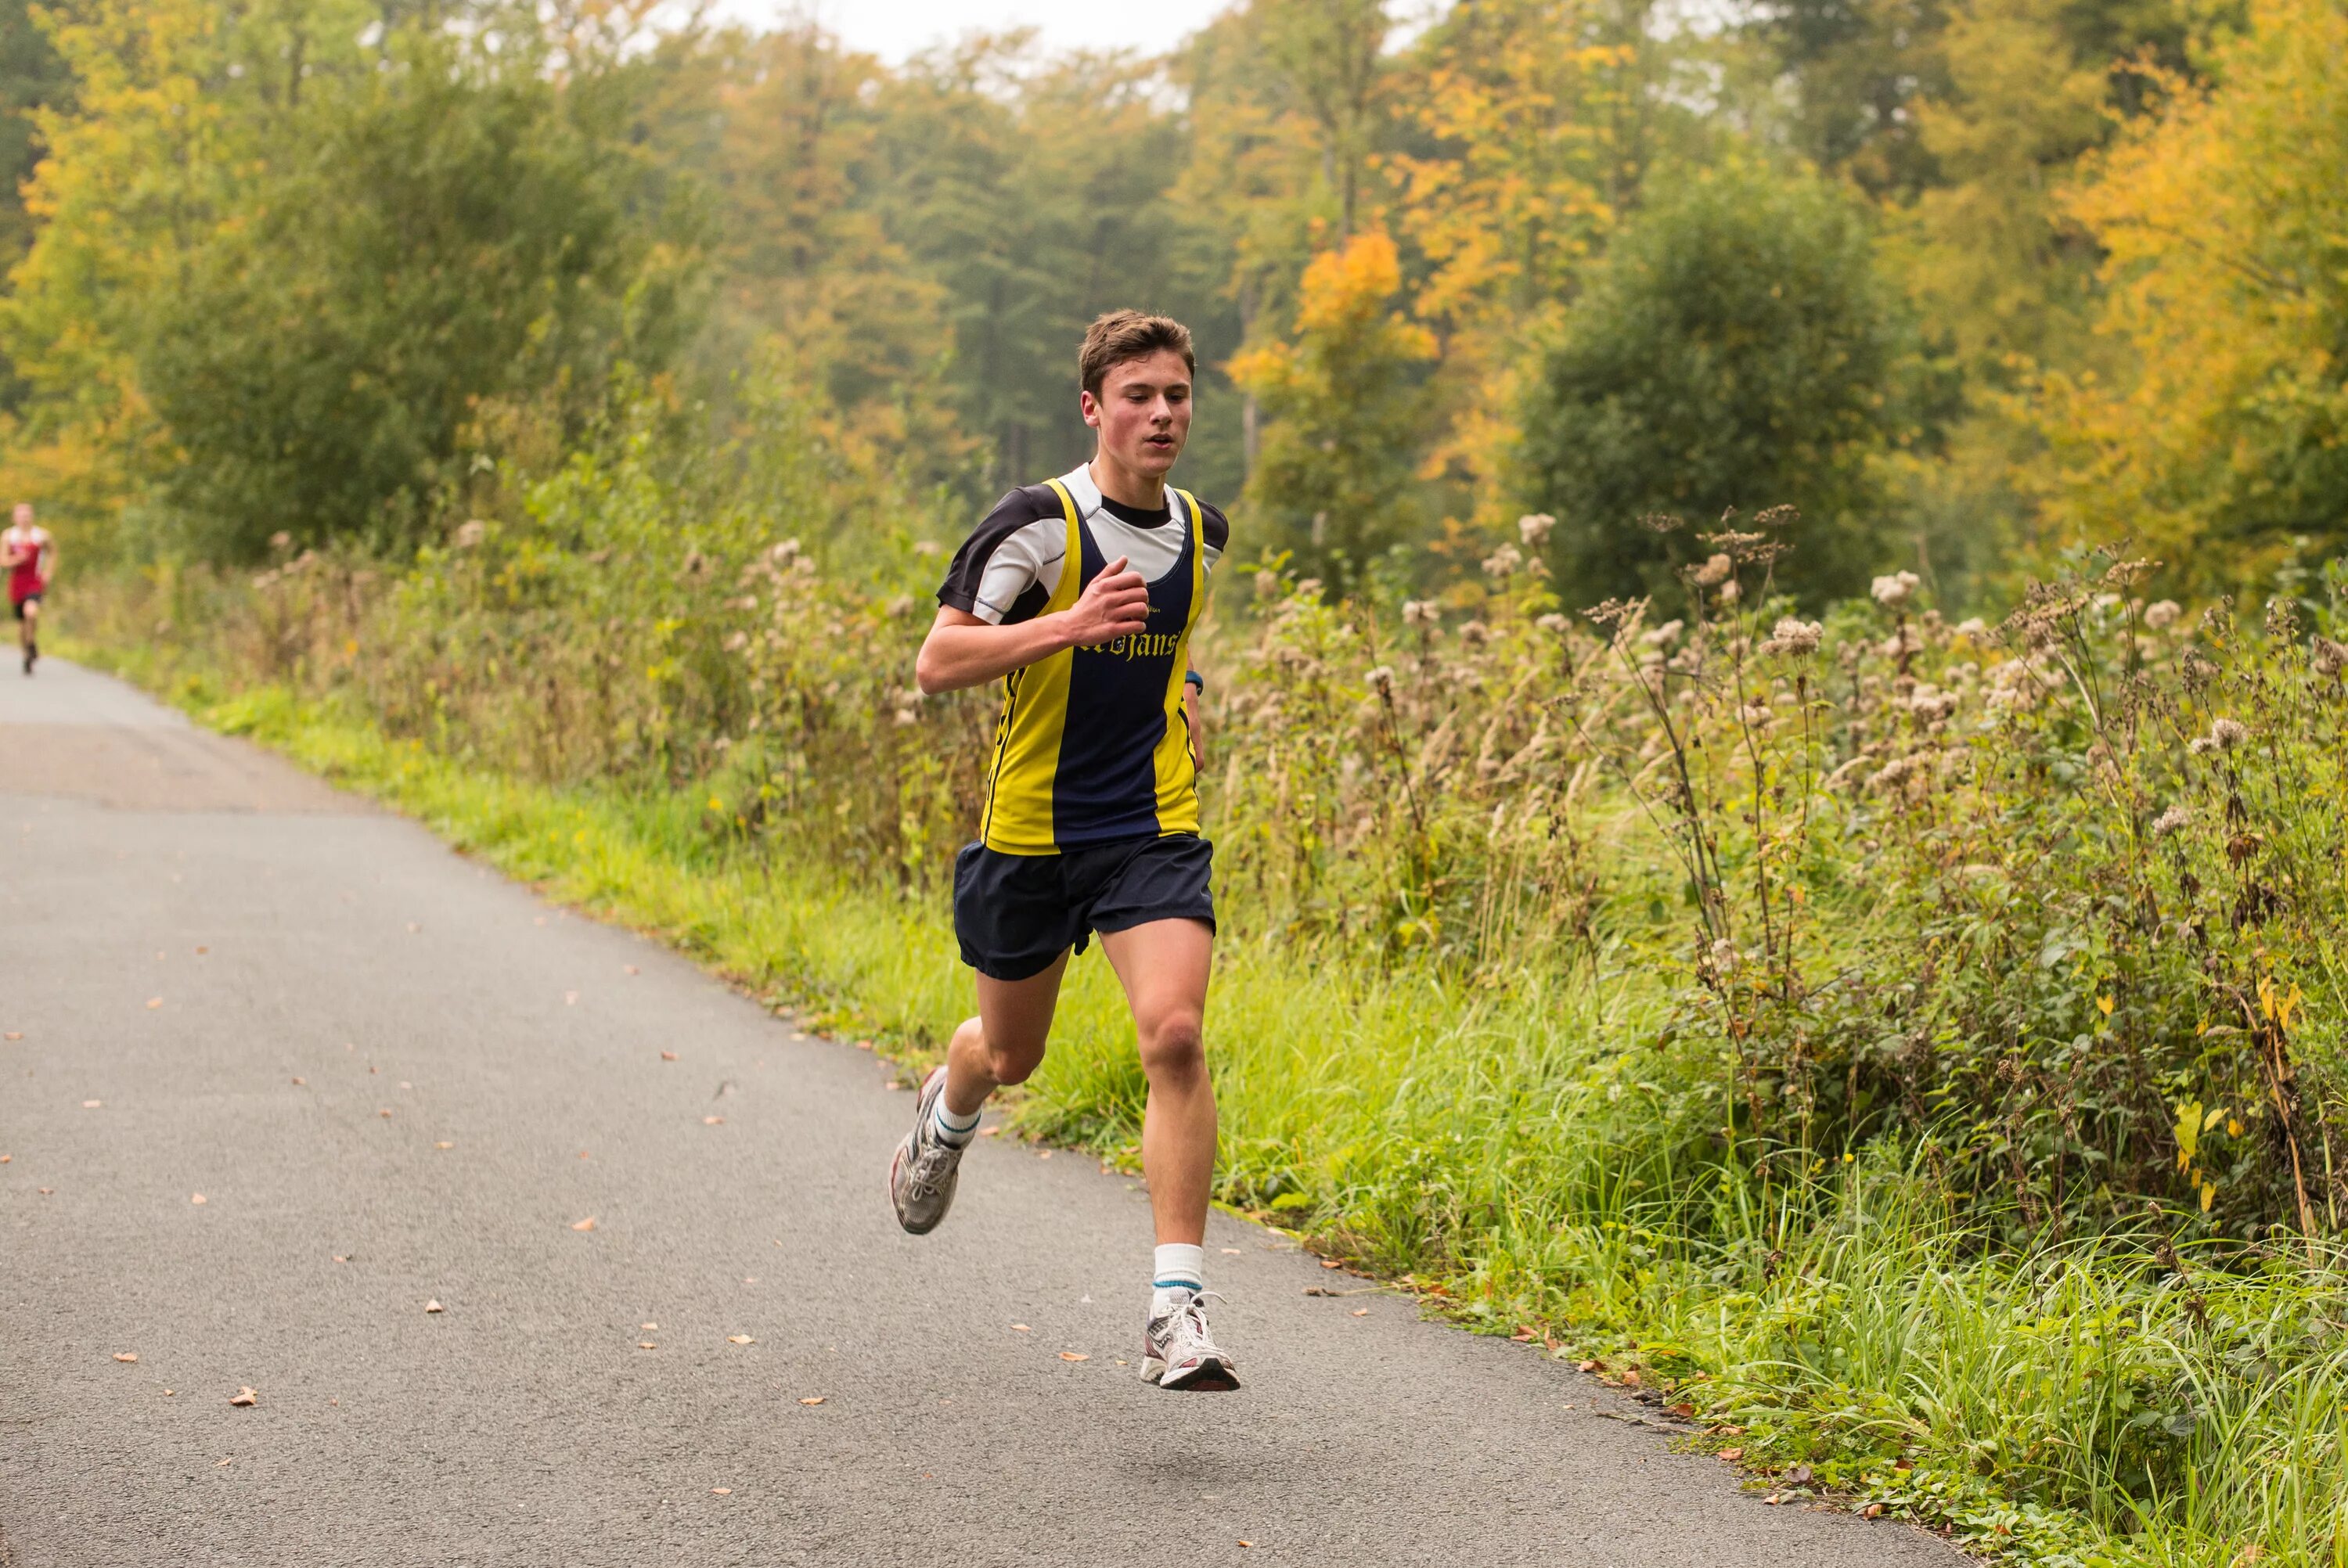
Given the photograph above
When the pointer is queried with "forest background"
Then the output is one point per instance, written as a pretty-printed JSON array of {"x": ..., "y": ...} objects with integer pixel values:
[{"x": 1778, "y": 714}]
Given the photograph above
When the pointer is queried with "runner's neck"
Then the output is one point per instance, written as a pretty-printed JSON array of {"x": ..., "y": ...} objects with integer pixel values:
[{"x": 1142, "y": 492}]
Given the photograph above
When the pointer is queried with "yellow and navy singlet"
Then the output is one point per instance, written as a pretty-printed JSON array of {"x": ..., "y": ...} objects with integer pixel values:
[{"x": 1091, "y": 746}]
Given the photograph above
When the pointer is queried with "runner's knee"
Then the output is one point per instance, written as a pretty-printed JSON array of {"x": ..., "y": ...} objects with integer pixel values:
[{"x": 1173, "y": 1045}]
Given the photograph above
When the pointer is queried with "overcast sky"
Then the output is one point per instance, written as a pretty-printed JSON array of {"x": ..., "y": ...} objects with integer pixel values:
[{"x": 896, "y": 28}]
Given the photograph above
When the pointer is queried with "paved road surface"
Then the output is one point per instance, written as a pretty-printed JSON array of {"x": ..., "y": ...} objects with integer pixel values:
[{"x": 395, "y": 1078}]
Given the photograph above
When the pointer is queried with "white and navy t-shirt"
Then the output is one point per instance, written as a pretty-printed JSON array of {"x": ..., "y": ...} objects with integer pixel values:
[{"x": 1006, "y": 571}]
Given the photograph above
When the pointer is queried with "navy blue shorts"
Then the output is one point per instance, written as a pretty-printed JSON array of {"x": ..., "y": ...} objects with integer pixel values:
[{"x": 1016, "y": 913}]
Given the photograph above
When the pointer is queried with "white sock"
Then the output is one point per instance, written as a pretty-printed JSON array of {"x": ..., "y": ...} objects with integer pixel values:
[
  {"x": 954, "y": 1132},
  {"x": 1181, "y": 1266}
]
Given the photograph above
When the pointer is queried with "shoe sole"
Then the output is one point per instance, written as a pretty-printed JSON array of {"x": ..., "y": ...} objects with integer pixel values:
[{"x": 1210, "y": 1376}]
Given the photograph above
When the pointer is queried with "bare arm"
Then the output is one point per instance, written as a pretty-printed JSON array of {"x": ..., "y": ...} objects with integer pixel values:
[{"x": 961, "y": 650}]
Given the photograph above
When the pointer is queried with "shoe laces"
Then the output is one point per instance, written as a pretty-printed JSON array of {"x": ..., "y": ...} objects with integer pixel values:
[
  {"x": 1188, "y": 1320},
  {"x": 933, "y": 1158}
]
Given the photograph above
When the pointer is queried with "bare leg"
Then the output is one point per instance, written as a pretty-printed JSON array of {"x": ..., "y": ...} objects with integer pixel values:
[
  {"x": 28, "y": 625},
  {"x": 1164, "y": 967},
  {"x": 1005, "y": 1041}
]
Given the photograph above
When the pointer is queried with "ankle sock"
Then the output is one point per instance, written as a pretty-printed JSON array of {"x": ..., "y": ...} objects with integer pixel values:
[
  {"x": 1180, "y": 1266},
  {"x": 954, "y": 1132}
]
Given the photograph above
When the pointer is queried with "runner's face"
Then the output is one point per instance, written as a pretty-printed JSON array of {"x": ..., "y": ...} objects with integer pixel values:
[
  {"x": 1143, "y": 411},
  {"x": 24, "y": 515}
]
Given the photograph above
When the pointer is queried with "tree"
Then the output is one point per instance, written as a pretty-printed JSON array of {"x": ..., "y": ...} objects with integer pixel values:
[
  {"x": 1736, "y": 349},
  {"x": 283, "y": 269},
  {"x": 1344, "y": 396},
  {"x": 2225, "y": 224}
]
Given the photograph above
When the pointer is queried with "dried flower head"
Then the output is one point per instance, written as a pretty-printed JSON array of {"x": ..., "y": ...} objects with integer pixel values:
[
  {"x": 2226, "y": 734},
  {"x": 928, "y": 548},
  {"x": 1381, "y": 679},
  {"x": 1475, "y": 633},
  {"x": 2163, "y": 615},
  {"x": 1660, "y": 523},
  {"x": 1897, "y": 588},
  {"x": 1504, "y": 561},
  {"x": 2283, "y": 621},
  {"x": 1554, "y": 622},
  {"x": 1418, "y": 612},
  {"x": 2329, "y": 658},
  {"x": 2170, "y": 821},
  {"x": 1533, "y": 528},
  {"x": 1794, "y": 635},
  {"x": 1972, "y": 628},
  {"x": 1267, "y": 584},
  {"x": 1728, "y": 592},
  {"x": 1713, "y": 572},
  {"x": 469, "y": 534},
  {"x": 1663, "y": 636}
]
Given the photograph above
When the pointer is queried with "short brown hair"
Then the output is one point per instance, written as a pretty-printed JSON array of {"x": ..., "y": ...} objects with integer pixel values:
[{"x": 1121, "y": 335}]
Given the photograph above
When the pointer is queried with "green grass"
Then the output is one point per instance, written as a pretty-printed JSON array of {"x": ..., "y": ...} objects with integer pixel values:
[{"x": 1525, "y": 1161}]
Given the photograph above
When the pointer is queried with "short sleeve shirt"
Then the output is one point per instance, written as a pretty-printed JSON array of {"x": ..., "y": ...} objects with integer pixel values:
[{"x": 1006, "y": 571}]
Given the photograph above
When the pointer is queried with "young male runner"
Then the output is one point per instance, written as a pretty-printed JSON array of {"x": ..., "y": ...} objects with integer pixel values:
[
  {"x": 1079, "y": 594},
  {"x": 29, "y": 556}
]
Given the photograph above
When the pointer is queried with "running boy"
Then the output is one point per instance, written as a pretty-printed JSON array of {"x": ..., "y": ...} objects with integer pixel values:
[
  {"x": 1079, "y": 594},
  {"x": 29, "y": 556}
]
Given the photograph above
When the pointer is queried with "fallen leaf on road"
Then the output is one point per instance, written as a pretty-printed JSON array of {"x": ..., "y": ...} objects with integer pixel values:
[
  {"x": 646, "y": 1345},
  {"x": 668, "y": 1056},
  {"x": 201, "y": 951},
  {"x": 168, "y": 1393},
  {"x": 589, "y": 1222},
  {"x": 300, "y": 1083},
  {"x": 5, "y": 1158},
  {"x": 244, "y": 1396},
  {"x": 92, "y": 1104},
  {"x": 1772, "y": 1500},
  {"x": 154, "y": 1002},
  {"x": 739, "y": 1339},
  {"x": 383, "y": 1112},
  {"x": 196, "y": 1197},
  {"x": 988, "y": 1131},
  {"x": 570, "y": 999},
  {"x": 711, "y": 1120},
  {"x": 1590, "y": 1366},
  {"x": 863, "y": 1045},
  {"x": 1247, "y": 1542},
  {"x": 813, "y": 1399},
  {"x": 1631, "y": 1379},
  {"x": 721, "y": 1492},
  {"x": 1732, "y": 1455},
  {"x": 1872, "y": 1510},
  {"x": 404, "y": 1084},
  {"x": 16, "y": 1034},
  {"x": 1361, "y": 1312},
  {"x": 1230, "y": 1251},
  {"x": 1020, "y": 1329},
  {"x": 126, "y": 1355},
  {"x": 340, "y": 1257},
  {"x": 226, "y": 1462},
  {"x": 434, "y": 1306},
  {"x": 44, "y": 1191},
  {"x": 1331, "y": 1262},
  {"x": 412, "y": 925},
  {"x": 444, "y": 1143},
  {"x": 631, "y": 968},
  {"x": 1074, "y": 1356},
  {"x": 1799, "y": 1476}
]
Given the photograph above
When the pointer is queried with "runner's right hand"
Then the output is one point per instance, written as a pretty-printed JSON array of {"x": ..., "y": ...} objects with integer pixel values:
[{"x": 1114, "y": 603}]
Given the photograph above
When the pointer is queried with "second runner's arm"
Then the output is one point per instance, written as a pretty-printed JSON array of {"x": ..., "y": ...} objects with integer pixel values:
[{"x": 963, "y": 651}]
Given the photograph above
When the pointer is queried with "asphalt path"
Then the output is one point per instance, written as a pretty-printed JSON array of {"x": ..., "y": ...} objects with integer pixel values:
[{"x": 282, "y": 1073}]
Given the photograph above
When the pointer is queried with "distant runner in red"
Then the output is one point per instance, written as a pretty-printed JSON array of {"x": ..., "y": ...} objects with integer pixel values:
[{"x": 29, "y": 556}]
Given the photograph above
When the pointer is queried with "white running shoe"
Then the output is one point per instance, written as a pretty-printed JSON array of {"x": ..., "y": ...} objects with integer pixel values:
[
  {"x": 1177, "y": 1351},
  {"x": 921, "y": 1178}
]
